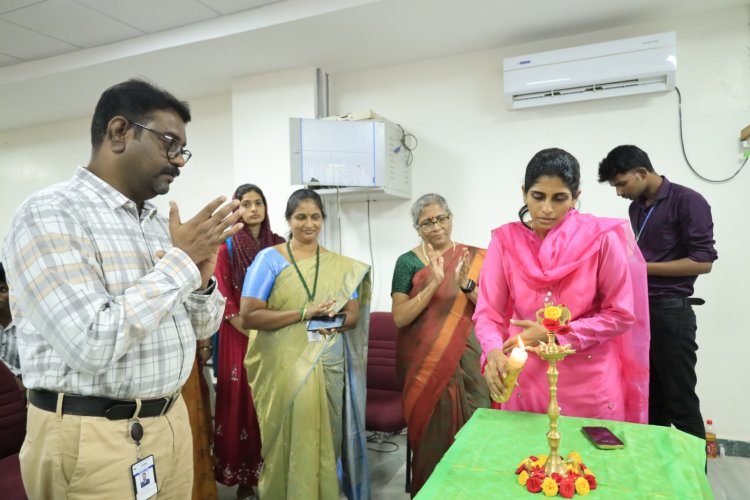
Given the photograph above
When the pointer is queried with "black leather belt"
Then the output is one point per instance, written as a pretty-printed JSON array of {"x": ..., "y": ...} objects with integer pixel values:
[
  {"x": 670, "y": 302},
  {"x": 90, "y": 406}
]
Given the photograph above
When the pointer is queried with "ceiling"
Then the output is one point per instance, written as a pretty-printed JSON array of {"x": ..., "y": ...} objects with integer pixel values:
[{"x": 56, "y": 56}]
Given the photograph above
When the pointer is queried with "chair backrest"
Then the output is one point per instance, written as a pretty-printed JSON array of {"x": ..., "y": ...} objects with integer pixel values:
[
  {"x": 381, "y": 353},
  {"x": 12, "y": 413}
]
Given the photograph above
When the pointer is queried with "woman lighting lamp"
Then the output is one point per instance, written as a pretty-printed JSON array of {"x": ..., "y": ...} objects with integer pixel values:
[
  {"x": 308, "y": 386},
  {"x": 433, "y": 294},
  {"x": 592, "y": 265},
  {"x": 236, "y": 435}
]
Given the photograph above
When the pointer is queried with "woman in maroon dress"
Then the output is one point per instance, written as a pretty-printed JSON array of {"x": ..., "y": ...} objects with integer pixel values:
[{"x": 236, "y": 435}]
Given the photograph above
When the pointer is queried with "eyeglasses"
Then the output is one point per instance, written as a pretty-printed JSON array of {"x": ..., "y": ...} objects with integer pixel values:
[
  {"x": 428, "y": 224},
  {"x": 174, "y": 148}
]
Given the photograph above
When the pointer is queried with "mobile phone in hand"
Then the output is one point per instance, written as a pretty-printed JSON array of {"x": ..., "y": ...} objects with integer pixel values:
[
  {"x": 603, "y": 438},
  {"x": 326, "y": 322}
]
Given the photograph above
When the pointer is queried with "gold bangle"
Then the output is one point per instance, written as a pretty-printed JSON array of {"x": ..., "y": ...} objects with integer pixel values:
[
  {"x": 206, "y": 348},
  {"x": 419, "y": 299}
]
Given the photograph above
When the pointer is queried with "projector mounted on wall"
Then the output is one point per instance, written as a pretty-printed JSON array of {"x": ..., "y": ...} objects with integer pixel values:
[{"x": 610, "y": 69}]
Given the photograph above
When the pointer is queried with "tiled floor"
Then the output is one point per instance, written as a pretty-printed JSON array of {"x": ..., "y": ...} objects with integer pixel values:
[{"x": 729, "y": 478}]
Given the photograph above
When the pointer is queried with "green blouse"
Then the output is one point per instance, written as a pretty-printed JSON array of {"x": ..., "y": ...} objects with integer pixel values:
[{"x": 407, "y": 266}]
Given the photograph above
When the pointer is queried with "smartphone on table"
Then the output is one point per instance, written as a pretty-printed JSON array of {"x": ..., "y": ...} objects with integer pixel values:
[
  {"x": 603, "y": 438},
  {"x": 326, "y": 322}
]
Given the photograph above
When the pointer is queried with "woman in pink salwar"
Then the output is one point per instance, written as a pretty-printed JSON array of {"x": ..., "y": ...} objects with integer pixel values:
[{"x": 592, "y": 265}]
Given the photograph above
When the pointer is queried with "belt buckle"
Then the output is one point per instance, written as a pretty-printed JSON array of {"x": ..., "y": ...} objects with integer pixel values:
[{"x": 168, "y": 403}]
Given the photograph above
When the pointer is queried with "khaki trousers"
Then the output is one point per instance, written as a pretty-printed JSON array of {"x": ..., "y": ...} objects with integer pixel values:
[{"x": 74, "y": 457}]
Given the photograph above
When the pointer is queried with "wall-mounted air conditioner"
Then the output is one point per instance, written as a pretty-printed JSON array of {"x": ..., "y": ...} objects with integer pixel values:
[{"x": 610, "y": 69}]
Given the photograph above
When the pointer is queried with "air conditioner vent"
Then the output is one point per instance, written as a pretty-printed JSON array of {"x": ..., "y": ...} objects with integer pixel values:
[{"x": 610, "y": 69}]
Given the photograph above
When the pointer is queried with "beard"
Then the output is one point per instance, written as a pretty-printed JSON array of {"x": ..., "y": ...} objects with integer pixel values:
[{"x": 161, "y": 185}]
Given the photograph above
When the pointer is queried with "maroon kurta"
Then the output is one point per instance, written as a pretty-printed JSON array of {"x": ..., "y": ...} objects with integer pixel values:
[{"x": 236, "y": 432}]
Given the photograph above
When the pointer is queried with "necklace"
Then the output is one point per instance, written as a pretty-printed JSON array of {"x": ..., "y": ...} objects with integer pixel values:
[
  {"x": 424, "y": 250},
  {"x": 310, "y": 296}
]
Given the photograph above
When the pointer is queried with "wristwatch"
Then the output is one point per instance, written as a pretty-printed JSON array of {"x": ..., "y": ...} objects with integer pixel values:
[{"x": 470, "y": 286}]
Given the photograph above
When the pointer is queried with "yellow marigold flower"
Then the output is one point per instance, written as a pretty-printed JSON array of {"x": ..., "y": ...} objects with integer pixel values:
[
  {"x": 552, "y": 312},
  {"x": 523, "y": 477},
  {"x": 549, "y": 487},
  {"x": 575, "y": 457},
  {"x": 582, "y": 486}
]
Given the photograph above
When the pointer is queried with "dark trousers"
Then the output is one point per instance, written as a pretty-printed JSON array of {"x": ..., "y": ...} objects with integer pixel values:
[{"x": 672, "y": 397}]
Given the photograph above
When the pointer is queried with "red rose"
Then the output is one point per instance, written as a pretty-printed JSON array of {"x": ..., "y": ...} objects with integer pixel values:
[
  {"x": 563, "y": 330},
  {"x": 567, "y": 488},
  {"x": 534, "y": 484},
  {"x": 521, "y": 468},
  {"x": 550, "y": 324},
  {"x": 592, "y": 481},
  {"x": 557, "y": 477},
  {"x": 533, "y": 458}
]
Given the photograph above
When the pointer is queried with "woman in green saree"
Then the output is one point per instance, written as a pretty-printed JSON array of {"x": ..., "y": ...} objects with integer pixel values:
[
  {"x": 308, "y": 386},
  {"x": 437, "y": 353}
]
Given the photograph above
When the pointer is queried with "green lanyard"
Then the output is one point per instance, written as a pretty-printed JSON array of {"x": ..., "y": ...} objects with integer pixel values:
[{"x": 310, "y": 296}]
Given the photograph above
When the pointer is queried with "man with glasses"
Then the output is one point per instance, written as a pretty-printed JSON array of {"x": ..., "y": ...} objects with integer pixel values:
[{"x": 109, "y": 298}]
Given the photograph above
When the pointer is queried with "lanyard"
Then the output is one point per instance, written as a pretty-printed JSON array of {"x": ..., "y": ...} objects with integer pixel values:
[
  {"x": 310, "y": 296},
  {"x": 645, "y": 220}
]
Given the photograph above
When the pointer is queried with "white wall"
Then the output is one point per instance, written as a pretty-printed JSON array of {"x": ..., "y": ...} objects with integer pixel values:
[
  {"x": 261, "y": 107},
  {"x": 474, "y": 151},
  {"x": 33, "y": 158}
]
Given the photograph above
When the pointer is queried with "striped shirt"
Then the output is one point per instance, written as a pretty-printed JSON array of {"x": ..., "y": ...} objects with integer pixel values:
[
  {"x": 9, "y": 349},
  {"x": 97, "y": 313}
]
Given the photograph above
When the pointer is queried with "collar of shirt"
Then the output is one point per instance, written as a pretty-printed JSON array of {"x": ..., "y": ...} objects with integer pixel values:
[
  {"x": 111, "y": 196},
  {"x": 661, "y": 193}
]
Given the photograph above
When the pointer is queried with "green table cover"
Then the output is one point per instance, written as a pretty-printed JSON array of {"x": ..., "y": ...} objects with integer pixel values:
[{"x": 657, "y": 462}]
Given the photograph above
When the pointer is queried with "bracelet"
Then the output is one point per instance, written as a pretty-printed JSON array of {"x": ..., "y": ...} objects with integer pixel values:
[
  {"x": 419, "y": 299},
  {"x": 206, "y": 348},
  {"x": 302, "y": 312}
]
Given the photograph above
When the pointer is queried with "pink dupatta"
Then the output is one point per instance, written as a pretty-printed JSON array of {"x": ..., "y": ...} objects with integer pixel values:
[{"x": 560, "y": 258}]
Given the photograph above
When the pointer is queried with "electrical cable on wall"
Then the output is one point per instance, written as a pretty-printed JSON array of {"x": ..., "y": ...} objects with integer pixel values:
[
  {"x": 682, "y": 144},
  {"x": 409, "y": 142}
]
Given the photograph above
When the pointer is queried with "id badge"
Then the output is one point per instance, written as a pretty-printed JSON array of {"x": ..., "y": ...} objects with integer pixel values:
[
  {"x": 144, "y": 478},
  {"x": 314, "y": 336}
]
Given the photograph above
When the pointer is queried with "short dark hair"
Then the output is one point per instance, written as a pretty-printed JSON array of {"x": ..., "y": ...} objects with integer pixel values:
[
  {"x": 622, "y": 160},
  {"x": 2, "y": 274},
  {"x": 552, "y": 162},
  {"x": 135, "y": 100},
  {"x": 298, "y": 197}
]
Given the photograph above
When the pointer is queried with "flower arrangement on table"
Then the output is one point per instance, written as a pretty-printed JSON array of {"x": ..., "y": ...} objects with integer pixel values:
[{"x": 578, "y": 479}]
